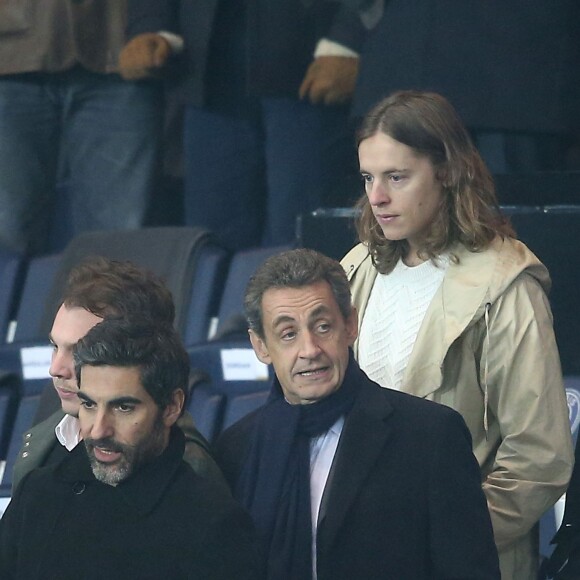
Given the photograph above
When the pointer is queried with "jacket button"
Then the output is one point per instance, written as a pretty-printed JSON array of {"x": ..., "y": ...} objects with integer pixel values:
[
  {"x": 25, "y": 454},
  {"x": 78, "y": 488},
  {"x": 28, "y": 435}
]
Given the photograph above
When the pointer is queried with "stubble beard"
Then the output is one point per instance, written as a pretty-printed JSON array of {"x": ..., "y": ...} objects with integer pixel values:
[{"x": 132, "y": 456}]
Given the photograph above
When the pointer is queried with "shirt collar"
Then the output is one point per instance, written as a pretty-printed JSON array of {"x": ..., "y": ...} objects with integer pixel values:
[{"x": 68, "y": 432}]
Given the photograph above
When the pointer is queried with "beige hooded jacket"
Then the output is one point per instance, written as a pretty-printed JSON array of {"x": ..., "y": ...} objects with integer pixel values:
[{"x": 487, "y": 349}]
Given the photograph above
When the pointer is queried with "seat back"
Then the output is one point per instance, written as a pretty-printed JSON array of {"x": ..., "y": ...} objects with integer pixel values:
[
  {"x": 9, "y": 396},
  {"x": 11, "y": 276},
  {"x": 206, "y": 290},
  {"x": 206, "y": 407},
  {"x": 234, "y": 380},
  {"x": 38, "y": 282},
  {"x": 170, "y": 252},
  {"x": 551, "y": 232},
  {"x": 240, "y": 405},
  {"x": 242, "y": 266},
  {"x": 330, "y": 231},
  {"x": 29, "y": 349}
]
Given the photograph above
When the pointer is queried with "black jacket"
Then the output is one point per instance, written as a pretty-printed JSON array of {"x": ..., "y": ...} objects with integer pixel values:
[
  {"x": 162, "y": 522},
  {"x": 403, "y": 500}
]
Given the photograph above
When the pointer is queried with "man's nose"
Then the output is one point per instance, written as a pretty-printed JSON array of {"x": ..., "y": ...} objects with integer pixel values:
[
  {"x": 61, "y": 365},
  {"x": 309, "y": 345},
  {"x": 101, "y": 426}
]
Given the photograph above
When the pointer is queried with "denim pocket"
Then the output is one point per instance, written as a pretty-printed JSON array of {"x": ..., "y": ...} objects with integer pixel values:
[{"x": 15, "y": 15}]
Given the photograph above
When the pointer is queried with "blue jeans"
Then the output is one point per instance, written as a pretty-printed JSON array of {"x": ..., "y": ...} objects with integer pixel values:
[
  {"x": 92, "y": 138},
  {"x": 247, "y": 178}
]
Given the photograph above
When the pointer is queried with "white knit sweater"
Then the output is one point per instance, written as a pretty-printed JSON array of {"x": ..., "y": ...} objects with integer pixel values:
[{"x": 395, "y": 311}]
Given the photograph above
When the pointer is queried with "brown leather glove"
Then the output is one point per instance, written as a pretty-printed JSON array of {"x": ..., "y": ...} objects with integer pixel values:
[
  {"x": 330, "y": 80},
  {"x": 144, "y": 56}
]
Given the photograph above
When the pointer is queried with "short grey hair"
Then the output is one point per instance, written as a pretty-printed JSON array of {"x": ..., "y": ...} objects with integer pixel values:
[{"x": 295, "y": 269}]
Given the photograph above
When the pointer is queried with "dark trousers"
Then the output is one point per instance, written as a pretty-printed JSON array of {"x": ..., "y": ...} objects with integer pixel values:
[{"x": 248, "y": 176}]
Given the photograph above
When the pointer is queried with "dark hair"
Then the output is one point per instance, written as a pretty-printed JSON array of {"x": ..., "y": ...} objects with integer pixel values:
[
  {"x": 470, "y": 214},
  {"x": 111, "y": 289},
  {"x": 155, "y": 349},
  {"x": 295, "y": 269}
]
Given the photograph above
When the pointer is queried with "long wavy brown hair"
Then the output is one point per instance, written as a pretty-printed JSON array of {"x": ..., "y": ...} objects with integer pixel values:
[{"x": 470, "y": 213}]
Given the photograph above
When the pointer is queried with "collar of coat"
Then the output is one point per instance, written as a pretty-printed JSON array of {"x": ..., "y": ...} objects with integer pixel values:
[{"x": 142, "y": 490}]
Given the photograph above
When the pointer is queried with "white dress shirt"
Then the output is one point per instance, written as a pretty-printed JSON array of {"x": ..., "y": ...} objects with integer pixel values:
[{"x": 322, "y": 451}]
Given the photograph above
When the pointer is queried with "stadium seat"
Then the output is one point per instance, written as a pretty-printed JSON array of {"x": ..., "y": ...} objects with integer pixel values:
[
  {"x": 206, "y": 407},
  {"x": 39, "y": 279},
  {"x": 11, "y": 272},
  {"x": 239, "y": 405},
  {"x": 236, "y": 381},
  {"x": 27, "y": 327},
  {"x": 178, "y": 254},
  {"x": 551, "y": 232}
]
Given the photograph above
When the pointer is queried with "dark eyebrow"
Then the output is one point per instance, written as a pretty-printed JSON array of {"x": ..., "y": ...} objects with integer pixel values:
[
  {"x": 84, "y": 397},
  {"x": 113, "y": 402},
  {"x": 387, "y": 171},
  {"x": 322, "y": 309},
  {"x": 124, "y": 401},
  {"x": 282, "y": 319}
]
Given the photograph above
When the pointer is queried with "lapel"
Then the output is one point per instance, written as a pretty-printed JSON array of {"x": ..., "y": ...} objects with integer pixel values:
[{"x": 366, "y": 431}]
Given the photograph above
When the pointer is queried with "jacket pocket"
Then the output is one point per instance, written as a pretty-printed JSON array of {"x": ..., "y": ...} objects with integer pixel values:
[{"x": 15, "y": 15}]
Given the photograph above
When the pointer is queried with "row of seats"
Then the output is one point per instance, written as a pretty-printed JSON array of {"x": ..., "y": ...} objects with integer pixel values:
[{"x": 207, "y": 283}]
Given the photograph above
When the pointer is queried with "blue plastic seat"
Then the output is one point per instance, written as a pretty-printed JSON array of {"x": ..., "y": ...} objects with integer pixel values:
[{"x": 236, "y": 382}]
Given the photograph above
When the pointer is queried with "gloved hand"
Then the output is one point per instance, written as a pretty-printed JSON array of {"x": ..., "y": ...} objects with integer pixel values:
[
  {"x": 144, "y": 56},
  {"x": 330, "y": 80}
]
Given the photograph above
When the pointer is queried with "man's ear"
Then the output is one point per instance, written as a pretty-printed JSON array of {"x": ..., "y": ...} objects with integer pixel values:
[
  {"x": 260, "y": 348},
  {"x": 352, "y": 326},
  {"x": 173, "y": 410}
]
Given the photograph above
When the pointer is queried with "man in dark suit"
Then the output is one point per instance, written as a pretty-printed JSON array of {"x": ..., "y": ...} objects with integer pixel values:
[
  {"x": 123, "y": 503},
  {"x": 345, "y": 479}
]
